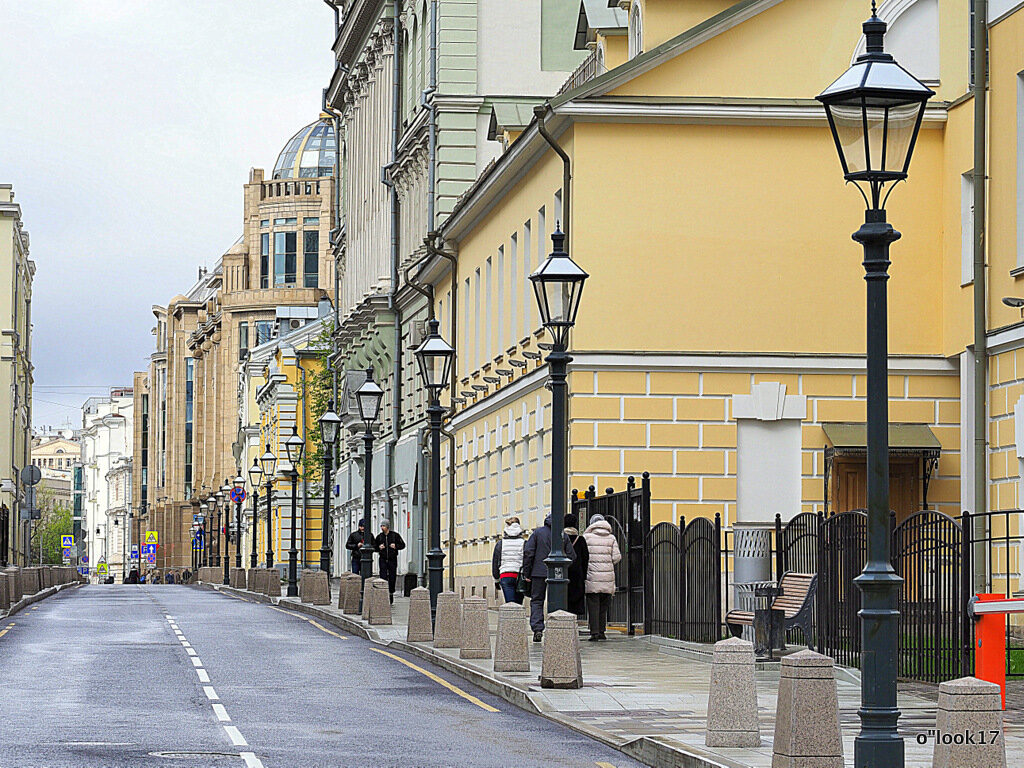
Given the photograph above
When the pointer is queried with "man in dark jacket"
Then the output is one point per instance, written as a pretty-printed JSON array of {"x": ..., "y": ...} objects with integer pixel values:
[
  {"x": 388, "y": 544},
  {"x": 538, "y": 547},
  {"x": 354, "y": 544}
]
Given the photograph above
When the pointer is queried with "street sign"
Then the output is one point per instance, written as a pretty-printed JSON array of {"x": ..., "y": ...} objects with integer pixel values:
[
  {"x": 151, "y": 559},
  {"x": 67, "y": 551},
  {"x": 135, "y": 553},
  {"x": 31, "y": 475},
  {"x": 149, "y": 549},
  {"x": 151, "y": 537},
  {"x": 67, "y": 540},
  {"x": 238, "y": 495},
  {"x": 101, "y": 569},
  {"x": 85, "y": 559}
]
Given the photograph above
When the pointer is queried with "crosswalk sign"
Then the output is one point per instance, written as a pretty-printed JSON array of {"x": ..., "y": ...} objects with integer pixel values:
[
  {"x": 101, "y": 569},
  {"x": 67, "y": 541},
  {"x": 151, "y": 537}
]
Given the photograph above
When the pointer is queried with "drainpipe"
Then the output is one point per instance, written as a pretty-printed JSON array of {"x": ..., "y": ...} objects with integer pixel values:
[
  {"x": 301, "y": 415},
  {"x": 541, "y": 111},
  {"x": 335, "y": 239},
  {"x": 432, "y": 125},
  {"x": 980, "y": 298},
  {"x": 337, "y": 20}
]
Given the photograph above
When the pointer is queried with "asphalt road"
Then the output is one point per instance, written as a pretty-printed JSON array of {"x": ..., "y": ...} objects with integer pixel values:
[{"x": 172, "y": 676}]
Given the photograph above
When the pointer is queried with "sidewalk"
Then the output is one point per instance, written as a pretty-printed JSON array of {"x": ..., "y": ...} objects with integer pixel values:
[{"x": 648, "y": 696}]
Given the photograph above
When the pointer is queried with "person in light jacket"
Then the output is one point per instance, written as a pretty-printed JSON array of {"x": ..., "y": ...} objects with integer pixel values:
[
  {"x": 507, "y": 561},
  {"x": 604, "y": 554}
]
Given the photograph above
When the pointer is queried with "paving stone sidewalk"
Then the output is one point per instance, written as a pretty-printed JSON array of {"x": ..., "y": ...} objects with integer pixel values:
[{"x": 650, "y": 699}]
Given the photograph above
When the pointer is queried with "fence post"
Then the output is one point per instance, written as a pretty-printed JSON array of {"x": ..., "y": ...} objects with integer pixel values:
[
  {"x": 718, "y": 576},
  {"x": 966, "y": 592},
  {"x": 682, "y": 576},
  {"x": 648, "y": 563},
  {"x": 819, "y": 596},
  {"x": 628, "y": 554},
  {"x": 779, "y": 565}
]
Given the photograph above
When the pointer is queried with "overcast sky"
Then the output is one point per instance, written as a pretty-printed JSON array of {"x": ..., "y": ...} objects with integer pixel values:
[{"x": 128, "y": 128}]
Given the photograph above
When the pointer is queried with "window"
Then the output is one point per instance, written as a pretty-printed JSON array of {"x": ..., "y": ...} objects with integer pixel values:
[
  {"x": 314, "y": 220},
  {"x": 189, "y": 400},
  {"x": 488, "y": 313},
  {"x": 284, "y": 258},
  {"x": 264, "y": 331},
  {"x": 1020, "y": 169},
  {"x": 636, "y": 32},
  {"x": 311, "y": 258},
  {"x": 477, "y": 351},
  {"x": 967, "y": 228},
  {"x": 514, "y": 287},
  {"x": 265, "y": 260},
  {"x": 527, "y": 289},
  {"x": 264, "y": 223},
  {"x": 243, "y": 340},
  {"x": 500, "y": 304},
  {"x": 285, "y": 222}
]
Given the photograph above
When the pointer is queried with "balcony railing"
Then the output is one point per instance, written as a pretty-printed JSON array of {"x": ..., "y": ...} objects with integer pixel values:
[
  {"x": 289, "y": 188},
  {"x": 586, "y": 71}
]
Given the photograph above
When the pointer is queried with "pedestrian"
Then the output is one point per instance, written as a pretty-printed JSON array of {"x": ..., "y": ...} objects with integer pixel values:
[
  {"x": 354, "y": 544},
  {"x": 389, "y": 544},
  {"x": 507, "y": 561},
  {"x": 537, "y": 549},
  {"x": 604, "y": 554},
  {"x": 578, "y": 570}
]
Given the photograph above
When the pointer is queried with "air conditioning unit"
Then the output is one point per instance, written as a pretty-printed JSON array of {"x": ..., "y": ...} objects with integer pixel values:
[
  {"x": 294, "y": 324},
  {"x": 417, "y": 333}
]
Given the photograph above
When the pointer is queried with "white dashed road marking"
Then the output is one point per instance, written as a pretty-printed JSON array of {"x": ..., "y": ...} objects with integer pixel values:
[
  {"x": 221, "y": 713},
  {"x": 251, "y": 761},
  {"x": 210, "y": 693},
  {"x": 235, "y": 736},
  {"x": 203, "y": 676},
  {"x": 191, "y": 651}
]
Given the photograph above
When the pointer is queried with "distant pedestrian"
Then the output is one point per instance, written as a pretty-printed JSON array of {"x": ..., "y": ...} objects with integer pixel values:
[
  {"x": 537, "y": 548},
  {"x": 604, "y": 554},
  {"x": 578, "y": 569},
  {"x": 507, "y": 561},
  {"x": 355, "y": 543},
  {"x": 388, "y": 544}
]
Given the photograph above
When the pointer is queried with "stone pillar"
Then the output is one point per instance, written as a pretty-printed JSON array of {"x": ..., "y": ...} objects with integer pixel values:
[
  {"x": 419, "y": 630},
  {"x": 807, "y": 715},
  {"x": 380, "y": 602},
  {"x": 367, "y": 587},
  {"x": 250, "y": 579},
  {"x": 561, "y": 666},
  {"x": 348, "y": 597},
  {"x": 969, "y": 725},
  {"x": 512, "y": 647},
  {"x": 237, "y": 578},
  {"x": 732, "y": 699},
  {"x": 475, "y": 642},
  {"x": 448, "y": 621},
  {"x": 260, "y": 581},
  {"x": 5, "y": 593},
  {"x": 314, "y": 588},
  {"x": 273, "y": 583},
  {"x": 14, "y": 584}
]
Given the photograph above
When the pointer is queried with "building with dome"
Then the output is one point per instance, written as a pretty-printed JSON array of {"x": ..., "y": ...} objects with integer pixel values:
[{"x": 269, "y": 282}]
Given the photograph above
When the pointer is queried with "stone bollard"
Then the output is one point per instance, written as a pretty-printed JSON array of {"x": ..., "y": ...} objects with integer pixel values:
[
  {"x": 366, "y": 598},
  {"x": 970, "y": 716},
  {"x": 273, "y": 585},
  {"x": 807, "y": 715},
  {"x": 448, "y": 621},
  {"x": 732, "y": 699},
  {"x": 380, "y": 602},
  {"x": 561, "y": 666},
  {"x": 237, "y": 578},
  {"x": 420, "y": 629},
  {"x": 5, "y": 592},
  {"x": 348, "y": 596},
  {"x": 14, "y": 584},
  {"x": 512, "y": 648},
  {"x": 475, "y": 642},
  {"x": 313, "y": 587},
  {"x": 29, "y": 581},
  {"x": 250, "y": 579}
]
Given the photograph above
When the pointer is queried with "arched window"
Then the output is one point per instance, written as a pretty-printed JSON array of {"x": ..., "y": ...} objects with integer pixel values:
[{"x": 636, "y": 31}]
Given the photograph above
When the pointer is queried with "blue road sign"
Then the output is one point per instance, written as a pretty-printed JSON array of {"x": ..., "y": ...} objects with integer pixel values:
[
  {"x": 149, "y": 549},
  {"x": 135, "y": 553},
  {"x": 85, "y": 559},
  {"x": 238, "y": 495},
  {"x": 150, "y": 559}
]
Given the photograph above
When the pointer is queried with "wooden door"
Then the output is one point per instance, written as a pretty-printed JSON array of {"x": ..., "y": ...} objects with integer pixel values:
[{"x": 850, "y": 485}]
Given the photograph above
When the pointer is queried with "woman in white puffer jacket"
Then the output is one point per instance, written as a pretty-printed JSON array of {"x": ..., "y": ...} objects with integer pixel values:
[
  {"x": 507, "y": 561},
  {"x": 604, "y": 554}
]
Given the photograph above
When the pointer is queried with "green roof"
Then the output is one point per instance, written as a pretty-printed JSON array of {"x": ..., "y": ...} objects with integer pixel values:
[{"x": 905, "y": 437}]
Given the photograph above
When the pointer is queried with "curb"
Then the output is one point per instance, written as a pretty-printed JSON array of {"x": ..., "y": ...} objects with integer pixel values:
[{"x": 41, "y": 595}]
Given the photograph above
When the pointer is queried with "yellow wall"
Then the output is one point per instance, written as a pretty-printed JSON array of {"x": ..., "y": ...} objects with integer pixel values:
[{"x": 664, "y": 19}]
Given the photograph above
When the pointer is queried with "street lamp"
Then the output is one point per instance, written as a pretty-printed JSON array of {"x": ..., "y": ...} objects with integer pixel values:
[
  {"x": 329, "y": 424},
  {"x": 368, "y": 398},
  {"x": 255, "y": 478},
  {"x": 558, "y": 285},
  {"x": 240, "y": 486},
  {"x": 268, "y": 462},
  {"x": 226, "y": 530},
  {"x": 434, "y": 357},
  {"x": 218, "y": 501},
  {"x": 293, "y": 447},
  {"x": 204, "y": 550},
  {"x": 875, "y": 110}
]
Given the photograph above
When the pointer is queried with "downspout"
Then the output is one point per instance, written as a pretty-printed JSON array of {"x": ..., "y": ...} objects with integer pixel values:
[
  {"x": 540, "y": 112},
  {"x": 980, "y": 298},
  {"x": 301, "y": 412},
  {"x": 432, "y": 125},
  {"x": 335, "y": 238}
]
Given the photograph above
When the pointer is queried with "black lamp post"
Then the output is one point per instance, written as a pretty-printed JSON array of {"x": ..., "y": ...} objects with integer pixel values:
[
  {"x": 268, "y": 462},
  {"x": 368, "y": 399},
  {"x": 434, "y": 357},
  {"x": 204, "y": 552},
  {"x": 294, "y": 446},
  {"x": 240, "y": 485},
  {"x": 218, "y": 502},
  {"x": 558, "y": 285},
  {"x": 329, "y": 424},
  {"x": 225, "y": 493},
  {"x": 875, "y": 110},
  {"x": 255, "y": 478}
]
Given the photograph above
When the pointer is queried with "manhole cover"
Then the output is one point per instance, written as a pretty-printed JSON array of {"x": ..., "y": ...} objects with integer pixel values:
[{"x": 191, "y": 755}]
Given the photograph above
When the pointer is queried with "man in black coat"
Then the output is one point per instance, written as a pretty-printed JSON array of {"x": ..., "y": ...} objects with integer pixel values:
[
  {"x": 537, "y": 548},
  {"x": 388, "y": 544},
  {"x": 354, "y": 544}
]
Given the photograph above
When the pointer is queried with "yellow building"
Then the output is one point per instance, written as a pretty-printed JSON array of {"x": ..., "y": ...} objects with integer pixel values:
[{"x": 720, "y": 341}]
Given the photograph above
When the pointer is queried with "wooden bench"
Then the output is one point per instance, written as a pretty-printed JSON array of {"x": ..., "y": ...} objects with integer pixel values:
[{"x": 796, "y": 600}]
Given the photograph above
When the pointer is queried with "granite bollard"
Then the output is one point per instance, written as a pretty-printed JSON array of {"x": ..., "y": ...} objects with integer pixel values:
[
  {"x": 380, "y": 602},
  {"x": 29, "y": 581},
  {"x": 807, "y": 716},
  {"x": 447, "y": 621},
  {"x": 512, "y": 646},
  {"x": 348, "y": 597},
  {"x": 5, "y": 594},
  {"x": 475, "y": 642},
  {"x": 250, "y": 579},
  {"x": 273, "y": 583},
  {"x": 561, "y": 665},
  {"x": 238, "y": 578},
  {"x": 314, "y": 587},
  {"x": 260, "y": 581},
  {"x": 366, "y": 598},
  {"x": 14, "y": 584},
  {"x": 732, "y": 698},
  {"x": 420, "y": 629},
  {"x": 969, "y": 725}
]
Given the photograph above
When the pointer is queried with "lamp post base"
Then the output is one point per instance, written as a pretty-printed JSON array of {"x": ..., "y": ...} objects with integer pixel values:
[
  {"x": 293, "y": 573},
  {"x": 435, "y": 578}
]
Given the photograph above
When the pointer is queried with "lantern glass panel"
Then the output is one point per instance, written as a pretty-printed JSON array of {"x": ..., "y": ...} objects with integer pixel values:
[
  {"x": 885, "y": 148},
  {"x": 368, "y": 398},
  {"x": 255, "y": 474},
  {"x": 329, "y": 424},
  {"x": 269, "y": 462}
]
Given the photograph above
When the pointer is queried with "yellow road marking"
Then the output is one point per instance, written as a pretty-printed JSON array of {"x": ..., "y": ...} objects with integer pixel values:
[
  {"x": 6, "y": 629},
  {"x": 237, "y": 597},
  {"x": 310, "y": 621},
  {"x": 605, "y": 765},
  {"x": 438, "y": 680}
]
